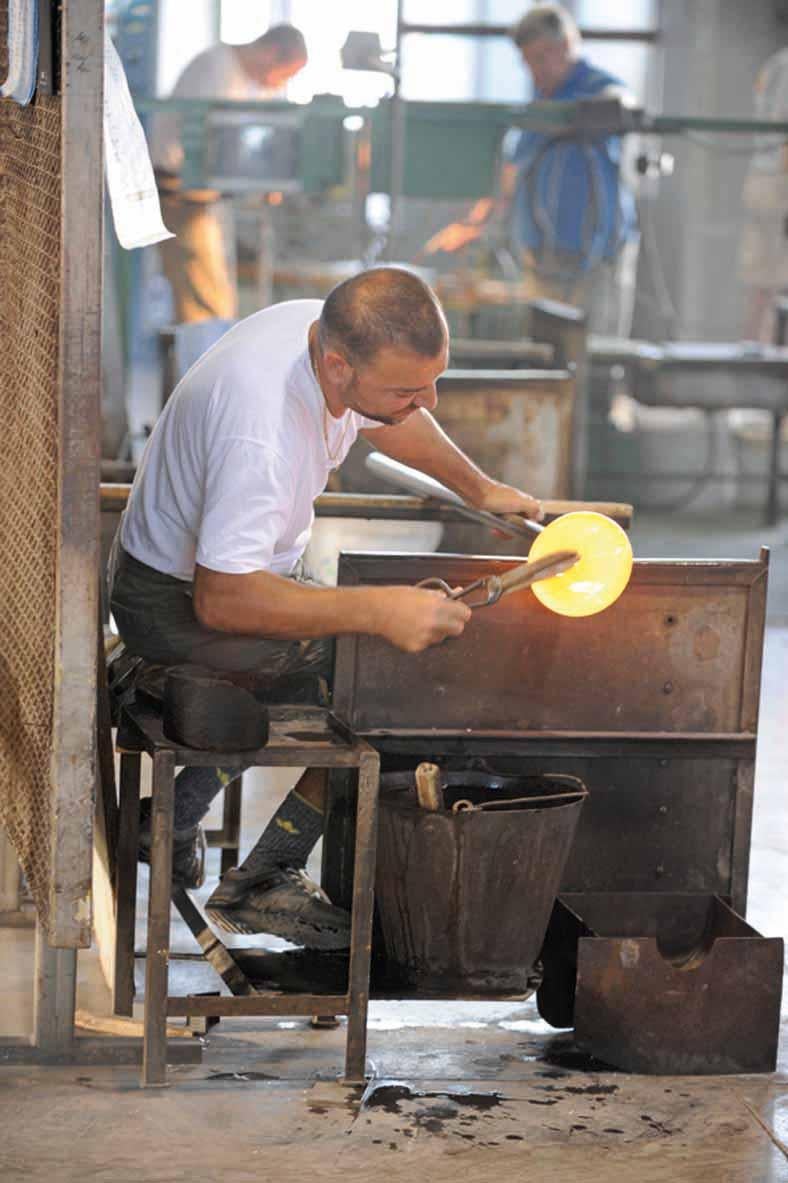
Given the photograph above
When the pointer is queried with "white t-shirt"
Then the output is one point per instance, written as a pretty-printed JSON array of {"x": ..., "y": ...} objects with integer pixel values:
[
  {"x": 216, "y": 73},
  {"x": 232, "y": 468}
]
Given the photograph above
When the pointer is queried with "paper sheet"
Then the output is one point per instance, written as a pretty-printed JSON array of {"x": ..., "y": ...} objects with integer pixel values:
[
  {"x": 22, "y": 51},
  {"x": 132, "y": 189}
]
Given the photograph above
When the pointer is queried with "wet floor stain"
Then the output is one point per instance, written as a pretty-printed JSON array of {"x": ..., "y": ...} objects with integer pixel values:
[
  {"x": 388, "y": 1096},
  {"x": 582, "y": 1090},
  {"x": 658, "y": 1127}
]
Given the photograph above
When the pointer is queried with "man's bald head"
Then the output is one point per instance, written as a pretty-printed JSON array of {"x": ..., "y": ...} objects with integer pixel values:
[{"x": 380, "y": 308}]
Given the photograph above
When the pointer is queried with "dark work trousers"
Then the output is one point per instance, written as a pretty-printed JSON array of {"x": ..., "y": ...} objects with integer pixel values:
[{"x": 155, "y": 616}]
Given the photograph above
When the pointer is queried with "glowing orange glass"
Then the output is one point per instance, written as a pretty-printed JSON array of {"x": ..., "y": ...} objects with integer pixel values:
[{"x": 598, "y": 577}]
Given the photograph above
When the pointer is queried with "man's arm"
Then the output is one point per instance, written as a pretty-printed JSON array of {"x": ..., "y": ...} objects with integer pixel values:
[
  {"x": 421, "y": 443},
  {"x": 267, "y": 605}
]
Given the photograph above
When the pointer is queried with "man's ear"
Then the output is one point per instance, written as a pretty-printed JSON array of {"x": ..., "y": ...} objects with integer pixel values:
[{"x": 337, "y": 369}]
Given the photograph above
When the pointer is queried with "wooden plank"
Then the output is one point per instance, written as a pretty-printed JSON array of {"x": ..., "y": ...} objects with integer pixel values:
[
  {"x": 73, "y": 733},
  {"x": 129, "y": 1028},
  {"x": 257, "y": 1004},
  {"x": 395, "y": 507}
]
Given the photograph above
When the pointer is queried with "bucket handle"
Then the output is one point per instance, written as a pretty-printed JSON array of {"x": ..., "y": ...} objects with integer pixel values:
[{"x": 465, "y": 806}]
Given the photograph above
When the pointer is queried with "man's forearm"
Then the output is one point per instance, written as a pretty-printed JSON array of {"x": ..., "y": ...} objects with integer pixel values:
[
  {"x": 267, "y": 605},
  {"x": 421, "y": 443}
]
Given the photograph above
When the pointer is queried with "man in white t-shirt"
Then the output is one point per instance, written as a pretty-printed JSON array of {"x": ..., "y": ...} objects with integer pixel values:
[
  {"x": 195, "y": 261},
  {"x": 220, "y": 514}
]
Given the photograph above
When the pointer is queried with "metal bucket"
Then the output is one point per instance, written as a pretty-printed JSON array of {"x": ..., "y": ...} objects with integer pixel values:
[{"x": 464, "y": 898}]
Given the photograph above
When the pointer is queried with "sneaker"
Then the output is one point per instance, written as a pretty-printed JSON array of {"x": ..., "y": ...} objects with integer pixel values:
[
  {"x": 188, "y": 852},
  {"x": 281, "y": 901}
]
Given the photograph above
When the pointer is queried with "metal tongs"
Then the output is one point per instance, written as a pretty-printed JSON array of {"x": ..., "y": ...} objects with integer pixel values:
[{"x": 493, "y": 587}]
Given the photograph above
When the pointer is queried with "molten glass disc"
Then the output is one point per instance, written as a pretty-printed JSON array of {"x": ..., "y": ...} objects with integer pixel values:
[{"x": 599, "y": 576}]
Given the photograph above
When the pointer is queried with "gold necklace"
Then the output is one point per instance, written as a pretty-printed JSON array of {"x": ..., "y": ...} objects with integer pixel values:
[{"x": 331, "y": 456}]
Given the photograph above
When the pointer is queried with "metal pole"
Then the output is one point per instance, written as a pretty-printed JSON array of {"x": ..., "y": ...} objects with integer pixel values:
[
  {"x": 484, "y": 30},
  {"x": 397, "y": 179}
]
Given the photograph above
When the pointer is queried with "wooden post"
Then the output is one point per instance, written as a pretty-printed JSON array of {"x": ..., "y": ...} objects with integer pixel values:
[
  {"x": 55, "y": 996},
  {"x": 79, "y": 387},
  {"x": 154, "y": 1063}
]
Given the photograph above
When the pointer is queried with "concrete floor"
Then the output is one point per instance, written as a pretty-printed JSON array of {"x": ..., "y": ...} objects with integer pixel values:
[{"x": 489, "y": 1097}]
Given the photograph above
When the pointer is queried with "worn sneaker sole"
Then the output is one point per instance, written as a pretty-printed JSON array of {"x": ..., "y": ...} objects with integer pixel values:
[{"x": 246, "y": 922}]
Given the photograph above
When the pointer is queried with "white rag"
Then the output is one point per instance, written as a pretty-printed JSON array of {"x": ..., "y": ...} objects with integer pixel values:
[
  {"x": 22, "y": 51},
  {"x": 132, "y": 189}
]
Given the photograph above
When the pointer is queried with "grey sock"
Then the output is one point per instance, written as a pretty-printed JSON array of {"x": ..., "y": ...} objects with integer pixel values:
[
  {"x": 195, "y": 789},
  {"x": 288, "y": 838}
]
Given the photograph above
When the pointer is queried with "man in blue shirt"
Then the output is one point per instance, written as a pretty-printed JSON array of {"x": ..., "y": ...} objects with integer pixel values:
[{"x": 573, "y": 220}]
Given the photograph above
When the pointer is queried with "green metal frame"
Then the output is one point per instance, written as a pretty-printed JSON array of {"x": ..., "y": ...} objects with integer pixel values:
[{"x": 322, "y": 155}]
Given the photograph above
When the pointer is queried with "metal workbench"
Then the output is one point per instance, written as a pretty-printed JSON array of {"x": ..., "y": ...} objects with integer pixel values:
[{"x": 653, "y": 704}]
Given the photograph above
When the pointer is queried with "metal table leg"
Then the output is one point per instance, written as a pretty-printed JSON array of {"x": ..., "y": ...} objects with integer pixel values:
[
  {"x": 231, "y": 824},
  {"x": 363, "y": 901},
  {"x": 339, "y": 838},
  {"x": 773, "y": 500},
  {"x": 126, "y": 883},
  {"x": 154, "y": 1063}
]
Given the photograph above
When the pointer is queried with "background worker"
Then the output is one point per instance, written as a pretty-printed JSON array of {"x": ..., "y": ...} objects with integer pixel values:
[
  {"x": 763, "y": 253},
  {"x": 571, "y": 217},
  {"x": 208, "y": 566},
  {"x": 196, "y": 261}
]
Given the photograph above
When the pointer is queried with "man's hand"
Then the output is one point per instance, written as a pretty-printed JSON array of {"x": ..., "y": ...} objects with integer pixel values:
[
  {"x": 499, "y": 498},
  {"x": 459, "y": 234},
  {"x": 418, "y": 617}
]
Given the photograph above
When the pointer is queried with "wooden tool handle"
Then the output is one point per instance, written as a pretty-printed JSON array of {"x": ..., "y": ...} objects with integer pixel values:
[
  {"x": 536, "y": 569},
  {"x": 428, "y": 787}
]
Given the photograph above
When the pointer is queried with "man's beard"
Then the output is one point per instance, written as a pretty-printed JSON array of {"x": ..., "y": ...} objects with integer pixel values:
[{"x": 351, "y": 400}]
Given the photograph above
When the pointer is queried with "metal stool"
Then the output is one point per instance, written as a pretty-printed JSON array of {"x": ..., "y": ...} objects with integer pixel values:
[{"x": 299, "y": 737}]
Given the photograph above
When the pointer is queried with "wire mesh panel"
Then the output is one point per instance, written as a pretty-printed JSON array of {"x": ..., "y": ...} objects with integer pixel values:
[
  {"x": 30, "y": 175},
  {"x": 50, "y": 287}
]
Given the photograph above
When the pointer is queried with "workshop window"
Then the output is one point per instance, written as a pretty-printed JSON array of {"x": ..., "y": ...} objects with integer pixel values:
[
  {"x": 325, "y": 27},
  {"x": 240, "y": 21}
]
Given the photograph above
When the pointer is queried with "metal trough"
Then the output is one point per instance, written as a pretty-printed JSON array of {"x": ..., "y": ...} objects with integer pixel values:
[{"x": 666, "y": 984}]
